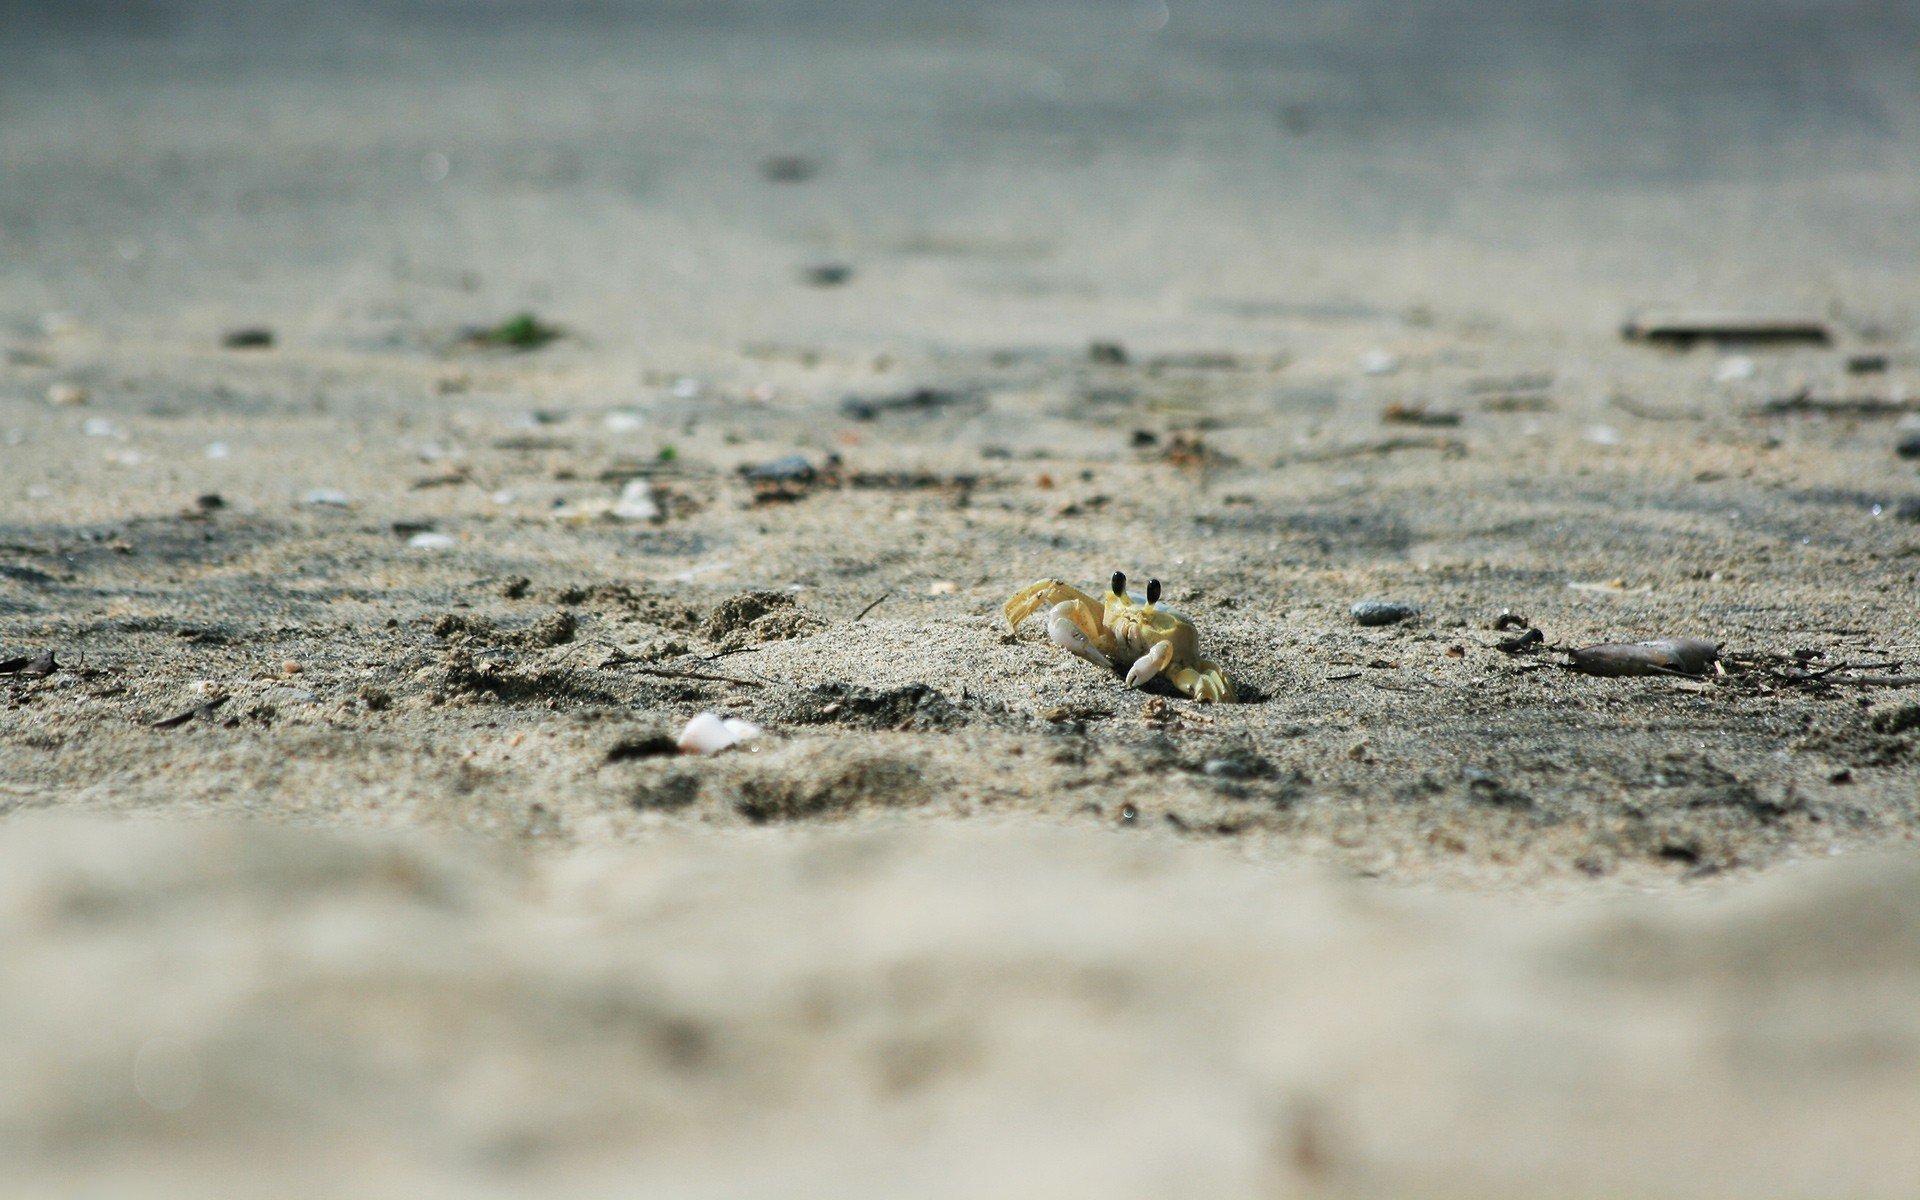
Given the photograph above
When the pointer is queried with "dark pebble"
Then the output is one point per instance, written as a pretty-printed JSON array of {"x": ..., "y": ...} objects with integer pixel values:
[
  {"x": 788, "y": 168},
  {"x": 826, "y": 274},
  {"x": 794, "y": 468},
  {"x": 254, "y": 337},
  {"x": 1908, "y": 446},
  {"x": 1382, "y": 612}
]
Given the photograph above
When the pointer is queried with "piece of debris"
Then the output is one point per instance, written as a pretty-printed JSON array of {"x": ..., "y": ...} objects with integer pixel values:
[
  {"x": 1672, "y": 656},
  {"x": 1523, "y": 643},
  {"x": 523, "y": 331},
  {"x": 1517, "y": 403},
  {"x": 66, "y": 395},
  {"x": 1804, "y": 401},
  {"x": 1190, "y": 451},
  {"x": 1193, "y": 360},
  {"x": 39, "y": 666},
  {"x": 1397, "y": 413},
  {"x": 710, "y": 733},
  {"x": 1109, "y": 354},
  {"x": 919, "y": 400},
  {"x": 1508, "y": 619},
  {"x": 248, "y": 337},
  {"x": 1684, "y": 331},
  {"x": 1382, "y": 612},
  {"x": 429, "y": 540},
  {"x": 1378, "y": 362},
  {"x": 203, "y": 709},
  {"x": 1908, "y": 446},
  {"x": 826, "y": 274},
  {"x": 326, "y": 498},
  {"x": 1868, "y": 364}
]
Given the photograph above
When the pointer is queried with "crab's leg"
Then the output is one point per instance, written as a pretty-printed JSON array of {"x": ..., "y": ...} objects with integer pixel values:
[
  {"x": 1150, "y": 664},
  {"x": 1205, "y": 682},
  {"x": 1047, "y": 593}
]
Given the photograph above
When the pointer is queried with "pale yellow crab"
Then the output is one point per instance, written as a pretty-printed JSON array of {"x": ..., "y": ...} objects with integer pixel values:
[{"x": 1124, "y": 629}]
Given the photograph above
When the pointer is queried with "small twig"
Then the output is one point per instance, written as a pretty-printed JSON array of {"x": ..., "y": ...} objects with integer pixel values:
[
  {"x": 1886, "y": 681},
  {"x": 1338, "y": 678},
  {"x": 725, "y": 653},
  {"x": 1847, "y": 666},
  {"x": 869, "y": 608},
  {"x": 1633, "y": 407},
  {"x": 181, "y": 718},
  {"x": 671, "y": 673}
]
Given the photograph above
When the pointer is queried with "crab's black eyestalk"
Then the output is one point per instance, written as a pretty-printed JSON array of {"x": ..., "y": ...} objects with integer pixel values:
[
  {"x": 1119, "y": 583},
  {"x": 1153, "y": 591}
]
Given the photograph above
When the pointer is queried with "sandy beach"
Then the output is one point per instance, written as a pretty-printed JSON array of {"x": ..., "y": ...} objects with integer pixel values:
[{"x": 413, "y": 414}]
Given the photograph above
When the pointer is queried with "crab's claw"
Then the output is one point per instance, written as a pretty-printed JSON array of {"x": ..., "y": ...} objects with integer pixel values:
[
  {"x": 1068, "y": 635},
  {"x": 1149, "y": 664}
]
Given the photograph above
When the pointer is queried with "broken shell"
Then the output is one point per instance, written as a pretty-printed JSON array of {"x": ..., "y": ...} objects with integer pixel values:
[
  {"x": 1672, "y": 656},
  {"x": 710, "y": 733},
  {"x": 636, "y": 502}
]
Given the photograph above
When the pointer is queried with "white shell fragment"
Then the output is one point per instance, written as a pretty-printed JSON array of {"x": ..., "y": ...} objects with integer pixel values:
[
  {"x": 636, "y": 502},
  {"x": 710, "y": 733},
  {"x": 431, "y": 541}
]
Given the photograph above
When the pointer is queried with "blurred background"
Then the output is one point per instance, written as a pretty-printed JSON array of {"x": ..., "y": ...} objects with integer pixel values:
[{"x": 668, "y": 173}]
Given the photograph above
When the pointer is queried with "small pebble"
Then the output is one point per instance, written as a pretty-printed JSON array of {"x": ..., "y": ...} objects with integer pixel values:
[
  {"x": 100, "y": 427},
  {"x": 788, "y": 168},
  {"x": 66, "y": 395},
  {"x": 327, "y": 497},
  {"x": 1379, "y": 362},
  {"x": 624, "y": 420},
  {"x": 290, "y": 667},
  {"x": 942, "y": 587},
  {"x": 1603, "y": 435},
  {"x": 687, "y": 388},
  {"x": 1226, "y": 768},
  {"x": 1733, "y": 369},
  {"x": 218, "y": 450},
  {"x": 252, "y": 337},
  {"x": 431, "y": 541},
  {"x": 826, "y": 274},
  {"x": 1908, "y": 446},
  {"x": 792, "y": 468},
  {"x": 1382, "y": 612}
]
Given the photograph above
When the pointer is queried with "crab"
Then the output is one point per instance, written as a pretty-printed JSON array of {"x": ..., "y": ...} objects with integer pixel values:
[{"x": 1124, "y": 630}]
